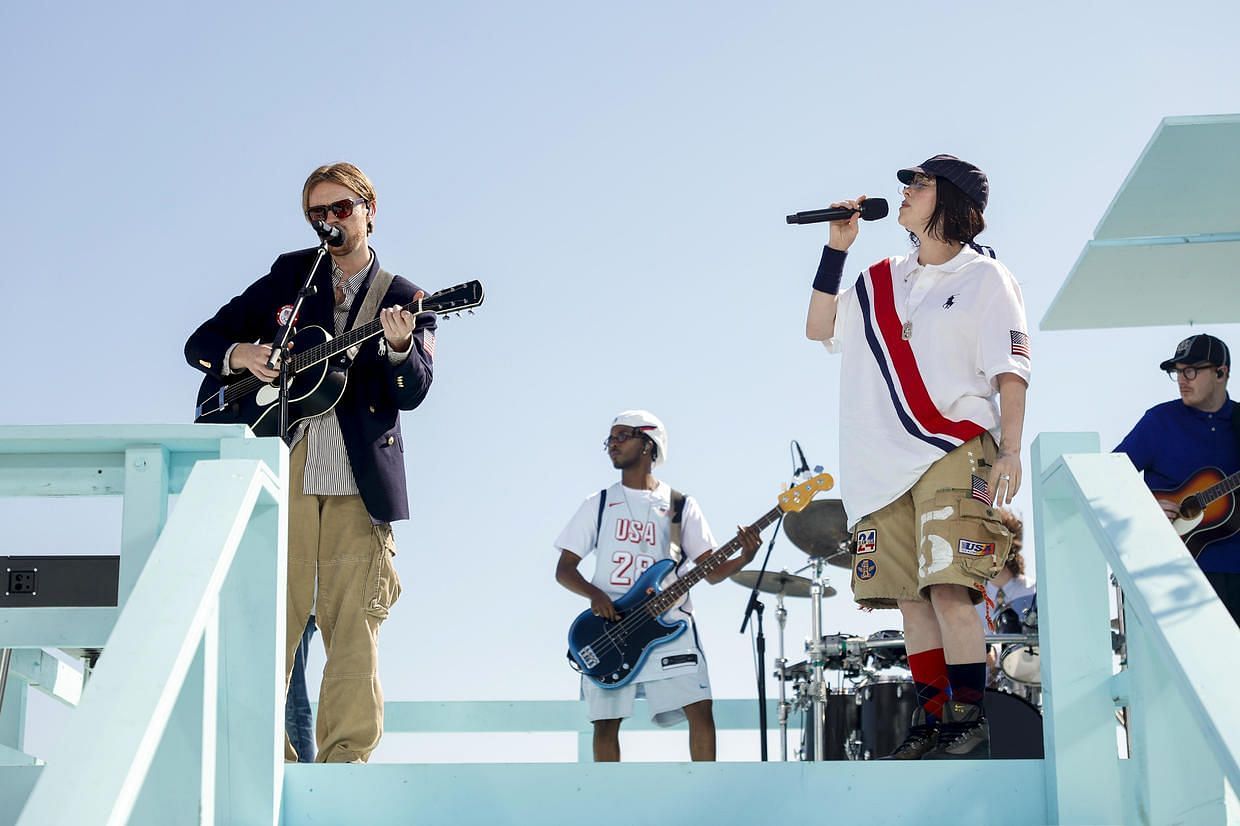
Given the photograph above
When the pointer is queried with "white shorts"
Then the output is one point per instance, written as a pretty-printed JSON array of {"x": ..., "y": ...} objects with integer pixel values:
[{"x": 666, "y": 697}]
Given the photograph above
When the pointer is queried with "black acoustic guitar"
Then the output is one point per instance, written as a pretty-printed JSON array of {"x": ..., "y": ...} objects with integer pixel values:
[{"x": 318, "y": 370}]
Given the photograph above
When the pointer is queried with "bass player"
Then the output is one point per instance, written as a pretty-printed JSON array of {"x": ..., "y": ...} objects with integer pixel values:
[{"x": 629, "y": 527}]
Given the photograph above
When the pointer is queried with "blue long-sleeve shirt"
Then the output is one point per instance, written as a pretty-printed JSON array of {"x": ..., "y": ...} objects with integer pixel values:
[{"x": 1173, "y": 441}]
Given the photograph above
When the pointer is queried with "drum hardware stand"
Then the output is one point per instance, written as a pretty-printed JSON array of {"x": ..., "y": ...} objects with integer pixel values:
[
  {"x": 817, "y": 657},
  {"x": 781, "y": 672},
  {"x": 1120, "y": 646}
]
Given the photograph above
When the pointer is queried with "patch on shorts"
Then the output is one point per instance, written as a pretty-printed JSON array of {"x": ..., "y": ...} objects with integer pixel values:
[
  {"x": 866, "y": 569},
  {"x": 867, "y": 541},
  {"x": 970, "y": 548},
  {"x": 680, "y": 659}
]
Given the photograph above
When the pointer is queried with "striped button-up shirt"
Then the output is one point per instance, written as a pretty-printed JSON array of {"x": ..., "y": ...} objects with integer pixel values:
[{"x": 328, "y": 472}]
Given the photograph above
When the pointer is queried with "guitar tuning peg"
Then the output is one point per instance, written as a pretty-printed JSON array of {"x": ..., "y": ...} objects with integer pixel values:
[{"x": 471, "y": 312}]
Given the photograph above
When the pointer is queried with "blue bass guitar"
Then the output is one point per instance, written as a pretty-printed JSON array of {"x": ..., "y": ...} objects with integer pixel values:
[{"x": 611, "y": 653}]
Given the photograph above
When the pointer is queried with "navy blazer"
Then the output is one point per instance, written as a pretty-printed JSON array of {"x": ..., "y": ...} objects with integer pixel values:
[{"x": 376, "y": 391}]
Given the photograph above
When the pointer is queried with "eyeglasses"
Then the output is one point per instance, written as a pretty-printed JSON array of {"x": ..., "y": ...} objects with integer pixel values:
[
  {"x": 1188, "y": 373},
  {"x": 620, "y": 438},
  {"x": 919, "y": 182},
  {"x": 341, "y": 209}
]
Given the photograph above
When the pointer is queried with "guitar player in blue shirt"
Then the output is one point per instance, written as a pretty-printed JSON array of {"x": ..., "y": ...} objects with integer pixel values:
[{"x": 1189, "y": 451}]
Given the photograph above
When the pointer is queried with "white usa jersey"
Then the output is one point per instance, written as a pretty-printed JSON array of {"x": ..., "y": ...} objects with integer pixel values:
[{"x": 634, "y": 535}]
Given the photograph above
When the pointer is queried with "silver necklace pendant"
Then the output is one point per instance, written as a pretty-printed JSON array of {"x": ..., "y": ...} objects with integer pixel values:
[{"x": 907, "y": 331}]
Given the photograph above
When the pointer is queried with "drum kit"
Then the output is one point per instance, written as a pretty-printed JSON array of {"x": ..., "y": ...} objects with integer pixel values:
[{"x": 862, "y": 709}]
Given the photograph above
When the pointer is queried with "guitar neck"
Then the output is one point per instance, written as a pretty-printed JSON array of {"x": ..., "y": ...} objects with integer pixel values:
[
  {"x": 1221, "y": 489},
  {"x": 705, "y": 565},
  {"x": 342, "y": 342}
]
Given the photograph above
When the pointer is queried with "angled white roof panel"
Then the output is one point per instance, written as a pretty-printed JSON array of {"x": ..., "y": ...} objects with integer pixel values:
[{"x": 1170, "y": 236}]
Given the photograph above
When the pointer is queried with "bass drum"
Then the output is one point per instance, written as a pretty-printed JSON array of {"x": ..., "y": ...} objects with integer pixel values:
[
  {"x": 1015, "y": 727},
  {"x": 841, "y": 727},
  {"x": 887, "y": 705}
]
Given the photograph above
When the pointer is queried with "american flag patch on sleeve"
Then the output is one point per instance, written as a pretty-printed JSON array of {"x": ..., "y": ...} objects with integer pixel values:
[
  {"x": 428, "y": 343},
  {"x": 1020, "y": 344},
  {"x": 981, "y": 491}
]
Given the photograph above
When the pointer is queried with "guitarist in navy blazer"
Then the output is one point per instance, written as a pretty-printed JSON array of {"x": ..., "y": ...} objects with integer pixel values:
[
  {"x": 376, "y": 391},
  {"x": 346, "y": 465}
]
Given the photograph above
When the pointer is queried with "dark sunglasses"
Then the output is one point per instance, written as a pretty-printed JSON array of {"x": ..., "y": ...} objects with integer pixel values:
[{"x": 341, "y": 209}]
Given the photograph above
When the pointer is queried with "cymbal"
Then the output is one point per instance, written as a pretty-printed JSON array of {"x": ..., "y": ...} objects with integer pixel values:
[
  {"x": 821, "y": 529},
  {"x": 774, "y": 582}
]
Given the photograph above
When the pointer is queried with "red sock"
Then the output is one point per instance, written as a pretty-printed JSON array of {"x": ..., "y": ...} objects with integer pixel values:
[{"x": 930, "y": 677}]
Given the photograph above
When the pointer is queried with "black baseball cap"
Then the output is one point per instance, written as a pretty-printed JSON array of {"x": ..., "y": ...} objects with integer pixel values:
[
  {"x": 971, "y": 180},
  {"x": 1199, "y": 349}
]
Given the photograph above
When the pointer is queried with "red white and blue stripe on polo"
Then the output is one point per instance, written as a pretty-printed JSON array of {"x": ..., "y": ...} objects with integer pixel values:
[{"x": 898, "y": 365}]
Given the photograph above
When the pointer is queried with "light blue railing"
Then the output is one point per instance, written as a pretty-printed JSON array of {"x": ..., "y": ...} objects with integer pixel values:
[
  {"x": 1092, "y": 511},
  {"x": 166, "y": 730},
  {"x": 170, "y": 729}
]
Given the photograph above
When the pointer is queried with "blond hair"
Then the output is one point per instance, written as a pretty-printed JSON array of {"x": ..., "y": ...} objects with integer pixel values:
[{"x": 345, "y": 174}]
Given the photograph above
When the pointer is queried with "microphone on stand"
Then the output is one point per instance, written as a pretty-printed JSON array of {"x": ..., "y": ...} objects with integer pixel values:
[
  {"x": 330, "y": 234},
  {"x": 871, "y": 210},
  {"x": 804, "y": 467}
]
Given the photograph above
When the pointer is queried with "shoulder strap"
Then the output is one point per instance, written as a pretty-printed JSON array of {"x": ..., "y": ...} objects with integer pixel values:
[
  {"x": 370, "y": 304},
  {"x": 678, "y": 509},
  {"x": 602, "y": 503},
  {"x": 1235, "y": 422}
]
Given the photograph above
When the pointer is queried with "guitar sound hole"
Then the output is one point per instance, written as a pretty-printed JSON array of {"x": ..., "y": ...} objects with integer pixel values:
[{"x": 1190, "y": 508}]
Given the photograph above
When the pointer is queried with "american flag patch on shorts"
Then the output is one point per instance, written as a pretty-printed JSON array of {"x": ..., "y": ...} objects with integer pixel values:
[
  {"x": 981, "y": 491},
  {"x": 1020, "y": 344}
]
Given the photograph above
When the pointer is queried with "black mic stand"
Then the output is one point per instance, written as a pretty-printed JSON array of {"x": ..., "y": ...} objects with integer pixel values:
[
  {"x": 281, "y": 352},
  {"x": 753, "y": 605}
]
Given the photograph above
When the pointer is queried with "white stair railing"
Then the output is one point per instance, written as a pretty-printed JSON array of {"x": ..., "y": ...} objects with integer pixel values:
[
  {"x": 1092, "y": 511},
  {"x": 182, "y": 719}
]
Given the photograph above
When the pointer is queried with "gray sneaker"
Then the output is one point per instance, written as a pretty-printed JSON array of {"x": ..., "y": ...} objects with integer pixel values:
[{"x": 963, "y": 735}]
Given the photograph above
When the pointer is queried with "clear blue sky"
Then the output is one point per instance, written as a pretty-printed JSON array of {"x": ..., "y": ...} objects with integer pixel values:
[{"x": 617, "y": 176}]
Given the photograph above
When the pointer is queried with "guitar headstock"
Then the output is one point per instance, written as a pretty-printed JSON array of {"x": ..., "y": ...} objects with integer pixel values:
[
  {"x": 798, "y": 498},
  {"x": 453, "y": 299}
]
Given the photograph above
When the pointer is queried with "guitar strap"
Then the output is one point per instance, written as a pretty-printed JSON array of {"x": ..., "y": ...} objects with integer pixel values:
[
  {"x": 370, "y": 307},
  {"x": 678, "y": 509},
  {"x": 1235, "y": 424}
]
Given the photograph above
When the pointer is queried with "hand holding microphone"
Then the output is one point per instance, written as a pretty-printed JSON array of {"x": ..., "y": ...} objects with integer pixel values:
[{"x": 843, "y": 216}]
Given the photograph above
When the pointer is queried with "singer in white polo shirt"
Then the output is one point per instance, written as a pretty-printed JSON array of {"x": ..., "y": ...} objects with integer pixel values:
[{"x": 935, "y": 351}]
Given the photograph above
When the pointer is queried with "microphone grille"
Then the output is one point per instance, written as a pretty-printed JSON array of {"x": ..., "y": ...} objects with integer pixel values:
[{"x": 873, "y": 208}]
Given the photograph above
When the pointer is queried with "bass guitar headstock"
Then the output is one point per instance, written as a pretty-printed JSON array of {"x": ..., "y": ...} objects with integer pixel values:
[{"x": 798, "y": 498}]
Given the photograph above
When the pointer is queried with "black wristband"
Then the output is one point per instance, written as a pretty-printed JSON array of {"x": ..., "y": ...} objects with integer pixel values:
[{"x": 830, "y": 271}]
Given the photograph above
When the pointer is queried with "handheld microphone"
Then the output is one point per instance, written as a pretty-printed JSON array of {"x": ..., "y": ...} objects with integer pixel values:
[
  {"x": 331, "y": 234},
  {"x": 871, "y": 210}
]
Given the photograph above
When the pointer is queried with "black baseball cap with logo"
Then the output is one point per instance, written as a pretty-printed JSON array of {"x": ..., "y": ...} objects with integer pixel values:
[
  {"x": 1199, "y": 349},
  {"x": 971, "y": 180}
]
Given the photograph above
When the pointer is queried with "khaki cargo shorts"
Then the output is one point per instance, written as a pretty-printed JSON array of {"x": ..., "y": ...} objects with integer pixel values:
[{"x": 934, "y": 534}]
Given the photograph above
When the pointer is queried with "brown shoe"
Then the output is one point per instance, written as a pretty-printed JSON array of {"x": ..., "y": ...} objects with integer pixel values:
[
  {"x": 964, "y": 735},
  {"x": 922, "y": 737}
]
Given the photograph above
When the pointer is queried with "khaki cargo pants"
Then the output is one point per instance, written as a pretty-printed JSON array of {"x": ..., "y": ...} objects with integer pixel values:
[
  {"x": 936, "y": 533},
  {"x": 332, "y": 543}
]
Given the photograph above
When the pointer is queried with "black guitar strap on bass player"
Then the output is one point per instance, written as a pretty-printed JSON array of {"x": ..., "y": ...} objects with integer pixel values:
[
  {"x": 370, "y": 309},
  {"x": 678, "y": 509}
]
